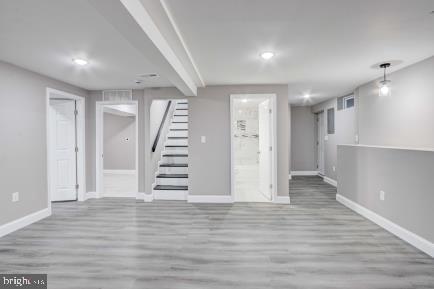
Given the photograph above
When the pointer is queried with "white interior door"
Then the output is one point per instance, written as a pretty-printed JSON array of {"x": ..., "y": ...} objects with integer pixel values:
[
  {"x": 63, "y": 172},
  {"x": 265, "y": 166},
  {"x": 320, "y": 142}
]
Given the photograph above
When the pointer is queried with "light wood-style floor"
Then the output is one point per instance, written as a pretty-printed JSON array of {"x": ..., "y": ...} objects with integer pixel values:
[{"x": 313, "y": 243}]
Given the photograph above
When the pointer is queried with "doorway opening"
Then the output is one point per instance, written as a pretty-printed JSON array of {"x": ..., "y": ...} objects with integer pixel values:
[
  {"x": 320, "y": 136},
  {"x": 116, "y": 149},
  {"x": 65, "y": 146},
  {"x": 253, "y": 143}
]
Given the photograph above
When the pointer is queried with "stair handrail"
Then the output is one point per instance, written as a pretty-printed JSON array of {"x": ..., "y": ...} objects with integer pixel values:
[{"x": 163, "y": 121}]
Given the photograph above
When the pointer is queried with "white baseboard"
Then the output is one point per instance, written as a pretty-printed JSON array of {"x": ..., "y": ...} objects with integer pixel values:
[
  {"x": 282, "y": 200},
  {"x": 120, "y": 172},
  {"x": 91, "y": 195},
  {"x": 216, "y": 199},
  {"x": 411, "y": 238},
  {"x": 304, "y": 173},
  {"x": 145, "y": 197},
  {"x": 330, "y": 181},
  {"x": 24, "y": 221},
  {"x": 119, "y": 195},
  {"x": 169, "y": 195}
]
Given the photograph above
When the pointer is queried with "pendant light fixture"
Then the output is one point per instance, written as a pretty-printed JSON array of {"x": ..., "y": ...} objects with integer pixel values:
[{"x": 385, "y": 84}]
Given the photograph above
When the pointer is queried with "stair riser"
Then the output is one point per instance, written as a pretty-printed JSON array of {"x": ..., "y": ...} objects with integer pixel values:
[
  {"x": 181, "y": 112},
  {"x": 173, "y": 170},
  {"x": 178, "y": 152},
  {"x": 172, "y": 181},
  {"x": 180, "y": 118},
  {"x": 183, "y": 133},
  {"x": 182, "y": 106},
  {"x": 175, "y": 160},
  {"x": 179, "y": 125},
  {"x": 176, "y": 142},
  {"x": 170, "y": 195}
]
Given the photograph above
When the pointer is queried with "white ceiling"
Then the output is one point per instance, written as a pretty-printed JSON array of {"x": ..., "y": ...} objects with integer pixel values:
[
  {"x": 325, "y": 48},
  {"x": 45, "y": 35}
]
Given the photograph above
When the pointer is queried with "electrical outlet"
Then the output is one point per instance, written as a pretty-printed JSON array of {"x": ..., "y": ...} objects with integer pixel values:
[
  {"x": 15, "y": 197},
  {"x": 334, "y": 168},
  {"x": 326, "y": 137},
  {"x": 203, "y": 139},
  {"x": 356, "y": 138},
  {"x": 382, "y": 195}
]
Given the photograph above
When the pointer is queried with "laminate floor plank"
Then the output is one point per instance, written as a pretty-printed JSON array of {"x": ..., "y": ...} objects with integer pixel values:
[{"x": 314, "y": 242}]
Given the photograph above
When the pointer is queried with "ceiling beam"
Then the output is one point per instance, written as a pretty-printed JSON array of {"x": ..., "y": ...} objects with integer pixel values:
[{"x": 134, "y": 22}]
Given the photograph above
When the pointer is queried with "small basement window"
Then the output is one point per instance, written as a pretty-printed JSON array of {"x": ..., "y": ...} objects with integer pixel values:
[{"x": 348, "y": 101}]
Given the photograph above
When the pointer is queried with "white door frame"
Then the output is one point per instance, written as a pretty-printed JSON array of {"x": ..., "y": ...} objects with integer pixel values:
[
  {"x": 81, "y": 144},
  {"x": 273, "y": 100},
  {"x": 100, "y": 141}
]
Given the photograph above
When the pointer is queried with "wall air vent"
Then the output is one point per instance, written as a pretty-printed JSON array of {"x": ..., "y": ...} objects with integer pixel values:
[{"x": 117, "y": 95}]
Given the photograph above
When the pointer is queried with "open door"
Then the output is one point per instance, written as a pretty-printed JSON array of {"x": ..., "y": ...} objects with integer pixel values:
[
  {"x": 265, "y": 149},
  {"x": 63, "y": 145}
]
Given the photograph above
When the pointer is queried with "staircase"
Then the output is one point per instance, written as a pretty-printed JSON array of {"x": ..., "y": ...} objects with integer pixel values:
[{"x": 171, "y": 179}]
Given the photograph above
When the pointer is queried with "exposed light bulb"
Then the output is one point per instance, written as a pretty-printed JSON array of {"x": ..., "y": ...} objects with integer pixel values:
[{"x": 384, "y": 90}]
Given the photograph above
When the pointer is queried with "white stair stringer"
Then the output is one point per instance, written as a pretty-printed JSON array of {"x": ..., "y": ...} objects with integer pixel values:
[{"x": 171, "y": 178}]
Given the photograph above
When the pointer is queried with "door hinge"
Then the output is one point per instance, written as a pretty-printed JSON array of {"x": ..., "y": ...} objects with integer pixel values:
[
  {"x": 75, "y": 112},
  {"x": 271, "y": 148},
  {"x": 76, "y": 149},
  {"x": 77, "y": 186},
  {"x": 271, "y": 186},
  {"x": 270, "y": 111}
]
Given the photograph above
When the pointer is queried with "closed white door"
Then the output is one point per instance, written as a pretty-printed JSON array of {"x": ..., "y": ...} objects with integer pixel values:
[
  {"x": 320, "y": 142},
  {"x": 62, "y": 150},
  {"x": 265, "y": 149}
]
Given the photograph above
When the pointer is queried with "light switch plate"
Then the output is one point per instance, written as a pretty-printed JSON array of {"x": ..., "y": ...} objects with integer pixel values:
[
  {"x": 203, "y": 139},
  {"x": 382, "y": 195}
]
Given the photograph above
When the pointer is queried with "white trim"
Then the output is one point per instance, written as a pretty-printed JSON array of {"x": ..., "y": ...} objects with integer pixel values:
[
  {"x": 282, "y": 200},
  {"x": 273, "y": 98},
  {"x": 215, "y": 199},
  {"x": 145, "y": 197},
  {"x": 181, "y": 39},
  {"x": 169, "y": 195},
  {"x": 91, "y": 195},
  {"x": 330, "y": 181},
  {"x": 24, "y": 221},
  {"x": 411, "y": 238},
  {"x": 120, "y": 195},
  {"x": 81, "y": 141},
  {"x": 304, "y": 173},
  {"x": 120, "y": 172},
  {"x": 99, "y": 108}
]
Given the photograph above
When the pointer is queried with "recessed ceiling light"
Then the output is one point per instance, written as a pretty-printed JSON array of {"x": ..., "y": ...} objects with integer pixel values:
[
  {"x": 80, "y": 61},
  {"x": 244, "y": 100},
  {"x": 267, "y": 55},
  {"x": 307, "y": 95}
]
